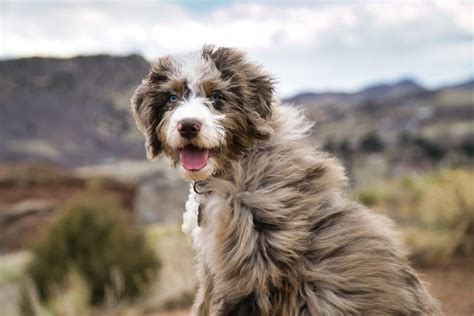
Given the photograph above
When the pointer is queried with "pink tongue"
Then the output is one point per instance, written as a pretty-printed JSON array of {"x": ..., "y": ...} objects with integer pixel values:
[{"x": 193, "y": 158}]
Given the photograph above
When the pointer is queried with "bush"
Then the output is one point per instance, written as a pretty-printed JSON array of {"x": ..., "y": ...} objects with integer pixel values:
[
  {"x": 448, "y": 205},
  {"x": 430, "y": 148},
  {"x": 371, "y": 143},
  {"x": 93, "y": 239},
  {"x": 467, "y": 146}
]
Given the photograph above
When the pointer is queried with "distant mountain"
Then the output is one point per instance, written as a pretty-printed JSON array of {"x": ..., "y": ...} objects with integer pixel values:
[
  {"x": 391, "y": 110},
  {"x": 75, "y": 112},
  {"x": 308, "y": 97},
  {"x": 400, "y": 89},
  {"x": 466, "y": 85},
  {"x": 383, "y": 91}
]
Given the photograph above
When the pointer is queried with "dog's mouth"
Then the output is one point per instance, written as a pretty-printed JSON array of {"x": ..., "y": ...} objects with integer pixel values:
[{"x": 193, "y": 158}]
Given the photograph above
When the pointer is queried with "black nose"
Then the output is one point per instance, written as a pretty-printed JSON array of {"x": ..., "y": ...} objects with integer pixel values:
[{"x": 189, "y": 128}]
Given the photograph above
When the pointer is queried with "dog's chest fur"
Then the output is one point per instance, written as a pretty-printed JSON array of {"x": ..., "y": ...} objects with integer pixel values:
[{"x": 199, "y": 226}]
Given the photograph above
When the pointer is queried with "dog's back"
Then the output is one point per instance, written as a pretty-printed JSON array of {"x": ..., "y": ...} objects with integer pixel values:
[{"x": 280, "y": 236}]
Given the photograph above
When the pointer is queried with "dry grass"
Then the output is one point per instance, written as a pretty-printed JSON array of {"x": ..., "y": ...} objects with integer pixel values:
[
  {"x": 171, "y": 293},
  {"x": 435, "y": 213},
  {"x": 12, "y": 266},
  {"x": 72, "y": 300},
  {"x": 176, "y": 283}
]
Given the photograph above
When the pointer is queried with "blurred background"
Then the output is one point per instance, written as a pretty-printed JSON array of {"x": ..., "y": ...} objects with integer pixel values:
[{"x": 88, "y": 227}]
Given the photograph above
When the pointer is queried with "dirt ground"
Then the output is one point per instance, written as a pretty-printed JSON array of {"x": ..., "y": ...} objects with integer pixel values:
[
  {"x": 452, "y": 284},
  {"x": 23, "y": 216}
]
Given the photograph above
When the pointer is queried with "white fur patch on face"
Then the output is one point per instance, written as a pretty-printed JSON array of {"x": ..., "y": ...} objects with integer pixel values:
[
  {"x": 193, "y": 67},
  {"x": 212, "y": 133}
]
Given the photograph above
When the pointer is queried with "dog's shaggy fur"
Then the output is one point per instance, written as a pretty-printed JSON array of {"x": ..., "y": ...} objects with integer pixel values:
[{"x": 273, "y": 226}]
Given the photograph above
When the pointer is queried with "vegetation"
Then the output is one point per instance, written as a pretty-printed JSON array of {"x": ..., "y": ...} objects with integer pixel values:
[
  {"x": 371, "y": 143},
  {"x": 435, "y": 213},
  {"x": 172, "y": 289},
  {"x": 12, "y": 266},
  {"x": 93, "y": 240},
  {"x": 467, "y": 146},
  {"x": 430, "y": 149}
]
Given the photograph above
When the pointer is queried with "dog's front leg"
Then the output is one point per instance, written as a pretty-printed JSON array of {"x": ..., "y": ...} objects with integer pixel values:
[
  {"x": 204, "y": 296},
  {"x": 218, "y": 308},
  {"x": 253, "y": 249}
]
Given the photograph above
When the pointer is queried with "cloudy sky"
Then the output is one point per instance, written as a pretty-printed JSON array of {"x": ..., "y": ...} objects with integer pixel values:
[{"x": 307, "y": 45}]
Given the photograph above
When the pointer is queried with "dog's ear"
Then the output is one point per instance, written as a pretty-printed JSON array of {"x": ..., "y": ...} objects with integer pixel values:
[
  {"x": 147, "y": 118},
  {"x": 255, "y": 86},
  {"x": 262, "y": 87},
  {"x": 147, "y": 105},
  {"x": 261, "y": 98}
]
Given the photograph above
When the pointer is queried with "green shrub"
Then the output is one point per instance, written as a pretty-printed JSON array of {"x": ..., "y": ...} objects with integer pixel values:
[
  {"x": 93, "y": 239},
  {"x": 430, "y": 148},
  {"x": 369, "y": 198},
  {"x": 467, "y": 146}
]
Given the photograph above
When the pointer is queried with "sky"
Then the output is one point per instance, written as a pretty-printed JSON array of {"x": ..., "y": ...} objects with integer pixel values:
[{"x": 306, "y": 45}]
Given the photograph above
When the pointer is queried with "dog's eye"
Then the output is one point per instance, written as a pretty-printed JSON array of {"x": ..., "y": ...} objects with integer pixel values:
[
  {"x": 215, "y": 97},
  {"x": 173, "y": 98}
]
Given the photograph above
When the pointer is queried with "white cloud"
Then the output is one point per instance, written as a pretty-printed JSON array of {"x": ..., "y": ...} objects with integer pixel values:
[{"x": 319, "y": 46}]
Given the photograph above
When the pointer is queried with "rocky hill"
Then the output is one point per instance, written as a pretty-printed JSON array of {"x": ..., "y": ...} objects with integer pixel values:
[
  {"x": 393, "y": 110},
  {"x": 69, "y": 111}
]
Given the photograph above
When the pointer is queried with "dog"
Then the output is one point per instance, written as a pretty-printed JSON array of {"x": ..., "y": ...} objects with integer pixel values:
[{"x": 274, "y": 228}]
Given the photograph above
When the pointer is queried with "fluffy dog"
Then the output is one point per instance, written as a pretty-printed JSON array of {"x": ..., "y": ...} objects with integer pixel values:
[{"x": 273, "y": 226}]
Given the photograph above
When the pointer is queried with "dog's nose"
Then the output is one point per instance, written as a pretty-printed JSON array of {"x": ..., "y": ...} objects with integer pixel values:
[{"x": 189, "y": 128}]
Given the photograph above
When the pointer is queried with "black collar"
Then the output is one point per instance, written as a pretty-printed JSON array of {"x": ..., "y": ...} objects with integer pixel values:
[{"x": 198, "y": 185}]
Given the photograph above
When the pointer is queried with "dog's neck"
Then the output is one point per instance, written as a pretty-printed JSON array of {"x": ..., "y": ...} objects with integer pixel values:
[
  {"x": 198, "y": 186},
  {"x": 288, "y": 124}
]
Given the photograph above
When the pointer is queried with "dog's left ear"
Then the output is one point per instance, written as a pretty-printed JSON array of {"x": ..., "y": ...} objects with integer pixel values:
[
  {"x": 261, "y": 98},
  {"x": 257, "y": 87},
  {"x": 262, "y": 87},
  {"x": 145, "y": 117}
]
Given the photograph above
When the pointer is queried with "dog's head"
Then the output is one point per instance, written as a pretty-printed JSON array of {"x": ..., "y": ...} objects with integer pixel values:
[{"x": 203, "y": 109}]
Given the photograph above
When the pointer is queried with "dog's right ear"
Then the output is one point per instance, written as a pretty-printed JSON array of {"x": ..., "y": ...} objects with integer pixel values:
[{"x": 147, "y": 118}]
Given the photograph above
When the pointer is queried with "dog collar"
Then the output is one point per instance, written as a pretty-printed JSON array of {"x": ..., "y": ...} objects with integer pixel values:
[{"x": 197, "y": 186}]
